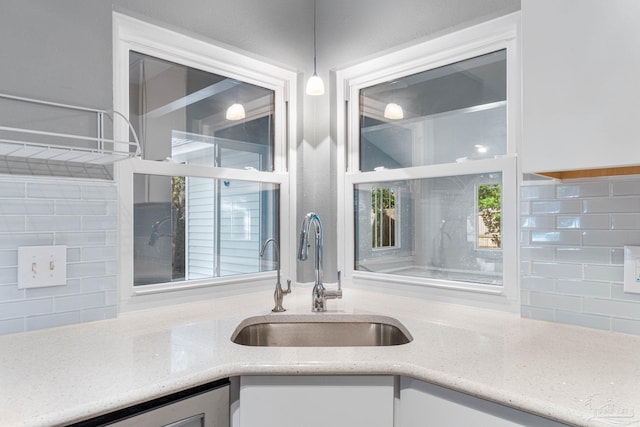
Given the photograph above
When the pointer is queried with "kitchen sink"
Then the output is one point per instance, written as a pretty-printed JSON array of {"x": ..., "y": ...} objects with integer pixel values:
[{"x": 321, "y": 330}]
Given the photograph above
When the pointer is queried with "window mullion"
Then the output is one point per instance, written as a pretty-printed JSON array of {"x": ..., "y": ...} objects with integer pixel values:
[{"x": 433, "y": 171}]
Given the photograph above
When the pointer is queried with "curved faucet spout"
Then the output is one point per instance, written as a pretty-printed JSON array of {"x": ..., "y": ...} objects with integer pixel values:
[
  {"x": 275, "y": 243},
  {"x": 303, "y": 244},
  {"x": 319, "y": 294}
]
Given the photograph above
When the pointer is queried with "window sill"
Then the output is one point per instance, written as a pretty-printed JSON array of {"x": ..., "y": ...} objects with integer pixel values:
[
  {"x": 158, "y": 295},
  {"x": 485, "y": 296}
]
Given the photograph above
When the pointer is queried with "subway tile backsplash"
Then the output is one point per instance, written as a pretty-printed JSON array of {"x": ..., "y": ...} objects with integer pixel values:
[
  {"x": 78, "y": 213},
  {"x": 572, "y": 238},
  {"x": 581, "y": 190}
]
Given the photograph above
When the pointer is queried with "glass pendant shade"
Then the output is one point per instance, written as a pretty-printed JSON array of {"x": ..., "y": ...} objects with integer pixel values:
[
  {"x": 393, "y": 111},
  {"x": 315, "y": 86},
  {"x": 235, "y": 112}
]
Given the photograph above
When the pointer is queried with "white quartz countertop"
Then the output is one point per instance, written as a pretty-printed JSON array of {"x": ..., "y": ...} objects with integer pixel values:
[{"x": 575, "y": 375}]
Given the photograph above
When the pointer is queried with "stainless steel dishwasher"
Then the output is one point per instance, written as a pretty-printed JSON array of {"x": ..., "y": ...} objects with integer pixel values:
[{"x": 203, "y": 406}]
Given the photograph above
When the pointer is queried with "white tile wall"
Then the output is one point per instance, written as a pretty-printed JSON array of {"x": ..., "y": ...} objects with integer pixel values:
[
  {"x": 611, "y": 204},
  {"x": 555, "y": 206},
  {"x": 585, "y": 189},
  {"x": 572, "y": 235},
  {"x": 584, "y": 222},
  {"x": 79, "y": 213},
  {"x": 625, "y": 188}
]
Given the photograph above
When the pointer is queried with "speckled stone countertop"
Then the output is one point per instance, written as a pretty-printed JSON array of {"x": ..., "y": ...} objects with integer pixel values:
[{"x": 575, "y": 375}]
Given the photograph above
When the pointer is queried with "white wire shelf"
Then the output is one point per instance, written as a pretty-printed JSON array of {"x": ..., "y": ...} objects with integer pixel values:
[{"x": 45, "y": 145}]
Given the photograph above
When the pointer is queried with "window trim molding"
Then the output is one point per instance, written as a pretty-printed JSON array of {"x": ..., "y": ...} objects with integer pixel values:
[
  {"x": 500, "y": 33},
  {"x": 133, "y": 34}
]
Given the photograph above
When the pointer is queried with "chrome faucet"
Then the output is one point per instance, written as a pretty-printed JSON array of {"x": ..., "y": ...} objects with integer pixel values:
[
  {"x": 320, "y": 294},
  {"x": 279, "y": 293}
]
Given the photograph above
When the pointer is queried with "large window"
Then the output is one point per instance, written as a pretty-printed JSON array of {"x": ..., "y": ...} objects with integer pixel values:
[
  {"x": 212, "y": 183},
  {"x": 185, "y": 227},
  {"x": 430, "y": 160}
]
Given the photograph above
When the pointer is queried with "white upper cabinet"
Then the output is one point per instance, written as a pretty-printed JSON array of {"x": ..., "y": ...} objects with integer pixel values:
[{"x": 581, "y": 84}]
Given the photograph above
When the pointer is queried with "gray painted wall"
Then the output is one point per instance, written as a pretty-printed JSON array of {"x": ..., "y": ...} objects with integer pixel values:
[{"x": 61, "y": 51}]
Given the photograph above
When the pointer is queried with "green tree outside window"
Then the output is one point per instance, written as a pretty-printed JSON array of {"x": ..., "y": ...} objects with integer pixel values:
[{"x": 490, "y": 210}]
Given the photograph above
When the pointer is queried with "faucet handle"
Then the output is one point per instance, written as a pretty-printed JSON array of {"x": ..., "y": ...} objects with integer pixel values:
[
  {"x": 335, "y": 293},
  {"x": 278, "y": 296}
]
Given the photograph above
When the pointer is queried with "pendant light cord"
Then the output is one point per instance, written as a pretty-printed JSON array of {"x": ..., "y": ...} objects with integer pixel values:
[
  {"x": 314, "y": 84},
  {"x": 314, "y": 38}
]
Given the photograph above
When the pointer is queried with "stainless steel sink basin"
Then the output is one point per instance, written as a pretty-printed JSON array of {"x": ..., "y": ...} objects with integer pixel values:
[{"x": 323, "y": 330}]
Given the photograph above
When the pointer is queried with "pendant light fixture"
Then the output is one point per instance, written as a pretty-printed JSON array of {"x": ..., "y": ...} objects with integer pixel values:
[
  {"x": 236, "y": 111},
  {"x": 315, "y": 86},
  {"x": 393, "y": 111}
]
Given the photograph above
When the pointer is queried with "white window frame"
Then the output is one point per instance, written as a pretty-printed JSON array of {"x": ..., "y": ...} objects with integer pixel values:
[
  {"x": 491, "y": 36},
  {"x": 130, "y": 34}
]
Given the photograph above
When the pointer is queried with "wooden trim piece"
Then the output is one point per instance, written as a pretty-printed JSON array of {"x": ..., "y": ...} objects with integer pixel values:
[{"x": 591, "y": 173}]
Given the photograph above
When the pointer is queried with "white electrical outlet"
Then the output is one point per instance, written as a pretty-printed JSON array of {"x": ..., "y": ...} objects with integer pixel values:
[
  {"x": 632, "y": 269},
  {"x": 42, "y": 266}
]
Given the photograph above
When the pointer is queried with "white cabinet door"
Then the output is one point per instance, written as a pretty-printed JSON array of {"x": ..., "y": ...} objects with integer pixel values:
[
  {"x": 424, "y": 405},
  {"x": 316, "y": 401},
  {"x": 581, "y": 97}
]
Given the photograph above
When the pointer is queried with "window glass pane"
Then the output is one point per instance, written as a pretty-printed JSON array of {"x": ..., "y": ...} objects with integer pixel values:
[
  {"x": 188, "y": 228},
  {"x": 490, "y": 216},
  {"x": 193, "y": 116},
  {"x": 450, "y": 114},
  {"x": 383, "y": 217},
  {"x": 437, "y": 223}
]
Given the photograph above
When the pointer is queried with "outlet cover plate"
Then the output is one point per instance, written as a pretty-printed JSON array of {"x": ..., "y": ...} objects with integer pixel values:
[{"x": 42, "y": 266}]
